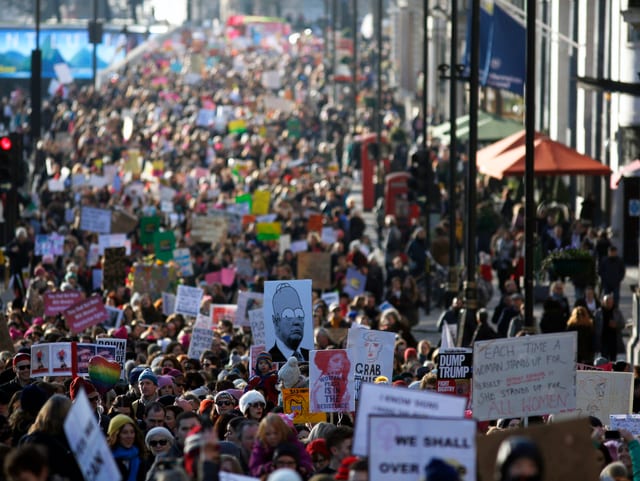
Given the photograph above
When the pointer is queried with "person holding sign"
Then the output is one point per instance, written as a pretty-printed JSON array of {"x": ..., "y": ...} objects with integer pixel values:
[
  {"x": 330, "y": 391},
  {"x": 288, "y": 321}
]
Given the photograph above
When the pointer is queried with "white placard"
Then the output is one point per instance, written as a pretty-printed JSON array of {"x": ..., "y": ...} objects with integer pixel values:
[
  {"x": 201, "y": 339},
  {"x": 372, "y": 355},
  {"x": 55, "y": 185},
  {"x": 630, "y": 422},
  {"x": 256, "y": 321},
  {"x": 524, "y": 376},
  {"x": 400, "y": 447},
  {"x": 247, "y": 301},
  {"x": 63, "y": 73},
  {"x": 224, "y": 476},
  {"x": 87, "y": 442},
  {"x": 299, "y": 246},
  {"x": 182, "y": 257},
  {"x": 385, "y": 399},
  {"x": 188, "y": 300},
  {"x": 602, "y": 393},
  {"x": 285, "y": 243},
  {"x": 330, "y": 297},
  {"x": 328, "y": 235},
  {"x": 106, "y": 241},
  {"x": 120, "y": 346},
  {"x": 95, "y": 220},
  {"x": 271, "y": 80},
  {"x": 168, "y": 303}
]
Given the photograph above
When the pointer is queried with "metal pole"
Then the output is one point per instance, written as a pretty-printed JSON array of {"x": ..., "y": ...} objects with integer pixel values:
[
  {"x": 334, "y": 55},
  {"x": 470, "y": 288},
  {"x": 354, "y": 68},
  {"x": 530, "y": 119},
  {"x": 94, "y": 59},
  {"x": 36, "y": 79},
  {"x": 452, "y": 285},
  {"x": 378, "y": 109},
  {"x": 425, "y": 83}
]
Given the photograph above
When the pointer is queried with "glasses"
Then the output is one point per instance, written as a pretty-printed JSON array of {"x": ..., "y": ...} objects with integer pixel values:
[
  {"x": 207, "y": 364},
  {"x": 23, "y": 367},
  {"x": 319, "y": 459},
  {"x": 257, "y": 405},
  {"x": 224, "y": 403},
  {"x": 282, "y": 463},
  {"x": 179, "y": 384},
  {"x": 158, "y": 442}
]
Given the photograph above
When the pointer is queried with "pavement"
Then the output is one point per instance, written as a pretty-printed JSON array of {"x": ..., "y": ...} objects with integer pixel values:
[{"x": 426, "y": 328}]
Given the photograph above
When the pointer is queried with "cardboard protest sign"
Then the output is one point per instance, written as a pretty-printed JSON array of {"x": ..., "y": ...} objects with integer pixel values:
[
  {"x": 222, "y": 311},
  {"x": 385, "y": 399},
  {"x": 355, "y": 282},
  {"x": 524, "y": 376},
  {"x": 88, "y": 444},
  {"x": 403, "y": 446},
  {"x": 59, "y": 301},
  {"x": 95, "y": 220},
  {"x": 296, "y": 401},
  {"x": 248, "y": 301},
  {"x": 372, "y": 353},
  {"x": 566, "y": 448},
  {"x": 601, "y": 394},
  {"x": 188, "y": 300},
  {"x": 288, "y": 319},
  {"x": 454, "y": 371},
  {"x": 114, "y": 270},
  {"x": 630, "y": 422},
  {"x": 86, "y": 313},
  {"x": 208, "y": 229},
  {"x": 182, "y": 257},
  {"x": 314, "y": 224},
  {"x": 164, "y": 244},
  {"x": 317, "y": 267},
  {"x": 260, "y": 202},
  {"x": 256, "y": 321},
  {"x": 330, "y": 384},
  {"x": 107, "y": 345},
  {"x": 123, "y": 222},
  {"x": 149, "y": 225},
  {"x": 154, "y": 279}
]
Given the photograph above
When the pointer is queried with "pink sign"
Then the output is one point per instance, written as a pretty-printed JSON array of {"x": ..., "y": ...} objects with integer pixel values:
[
  {"x": 213, "y": 277},
  {"x": 56, "y": 302},
  {"x": 228, "y": 275},
  {"x": 85, "y": 314}
]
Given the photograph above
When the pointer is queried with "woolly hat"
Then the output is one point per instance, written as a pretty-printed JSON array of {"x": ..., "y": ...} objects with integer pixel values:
[
  {"x": 286, "y": 449},
  {"x": 135, "y": 374},
  {"x": 21, "y": 357},
  {"x": 158, "y": 431},
  {"x": 117, "y": 422},
  {"x": 168, "y": 371},
  {"x": 32, "y": 398},
  {"x": 149, "y": 375},
  {"x": 318, "y": 446},
  {"x": 289, "y": 373},
  {"x": 343, "y": 470},
  {"x": 79, "y": 383},
  {"x": 439, "y": 470},
  {"x": 250, "y": 397},
  {"x": 164, "y": 381},
  {"x": 410, "y": 351},
  {"x": 284, "y": 474},
  {"x": 205, "y": 405},
  {"x": 381, "y": 380},
  {"x": 224, "y": 394}
]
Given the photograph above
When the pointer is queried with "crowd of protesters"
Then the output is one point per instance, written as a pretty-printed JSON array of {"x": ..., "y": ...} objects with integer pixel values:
[{"x": 179, "y": 416}]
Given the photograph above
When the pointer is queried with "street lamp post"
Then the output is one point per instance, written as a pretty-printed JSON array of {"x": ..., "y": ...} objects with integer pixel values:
[{"x": 36, "y": 82}]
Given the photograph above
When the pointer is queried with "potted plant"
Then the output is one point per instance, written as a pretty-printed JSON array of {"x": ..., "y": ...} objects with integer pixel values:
[{"x": 571, "y": 262}]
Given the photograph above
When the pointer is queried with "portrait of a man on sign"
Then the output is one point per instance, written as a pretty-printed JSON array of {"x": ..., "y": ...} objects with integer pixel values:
[{"x": 288, "y": 319}]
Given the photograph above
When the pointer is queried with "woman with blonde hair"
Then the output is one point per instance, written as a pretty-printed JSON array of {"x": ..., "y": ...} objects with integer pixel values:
[
  {"x": 48, "y": 431},
  {"x": 581, "y": 322},
  {"x": 273, "y": 430},
  {"x": 128, "y": 447}
]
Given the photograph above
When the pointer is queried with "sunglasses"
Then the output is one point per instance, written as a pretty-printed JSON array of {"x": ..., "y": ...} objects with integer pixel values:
[
  {"x": 257, "y": 405},
  {"x": 224, "y": 403},
  {"x": 158, "y": 442},
  {"x": 23, "y": 367}
]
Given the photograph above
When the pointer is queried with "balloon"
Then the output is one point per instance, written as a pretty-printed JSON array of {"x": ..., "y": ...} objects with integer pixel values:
[{"x": 104, "y": 374}]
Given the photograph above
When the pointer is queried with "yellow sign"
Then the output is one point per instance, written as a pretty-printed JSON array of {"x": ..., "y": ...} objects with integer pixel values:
[
  {"x": 296, "y": 401},
  {"x": 260, "y": 202}
]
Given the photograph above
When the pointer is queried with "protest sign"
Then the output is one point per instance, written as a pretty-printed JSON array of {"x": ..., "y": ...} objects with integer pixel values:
[
  {"x": 402, "y": 446},
  {"x": 454, "y": 371},
  {"x": 188, "y": 300},
  {"x": 244, "y": 269},
  {"x": 119, "y": 346},
  {"x": 182, "y": 257},
  {"x": 565, "y": 448},
  {"x": 372, "y": 353},
  {"x": 163, "y": 245},
  {"x": 88, "y": 444},
  {"x": 93, "y": 256},
  {"x": 224, "y": 476},
  {"x": 296, "y": 401},
  {"x": 268, "y": 231},
  {"x": 96, "y": 279},
  {"x": 355, "y": 282},
  {"x": 271, "y": 80},
  {"x": 59, "y": 301},
  {"x": 123, "y": 222},
  {"x": 149, "y": 225},
  {"x": 524, "y": 376},
  {"x": 222, "y": 311},
  {"x": 114, "y": 270},
  {"x": 201, "y": 339},
  {"x": 256, "y": 321},
  {"x": 52, "y": 359},
  {"x": 49, "y": 244},
  {"x": 168, "y": 303},
  {"x": 630, "y": 422},
  {"x": 328, "y": 236},
  {"x": 208, "y": 229},
  {"x": 227, "y": 276},
  {"x": 95, "y": 220},
  {"x": 154, "y": 279},
  {"x": 385, "y": 399},
  {"x": 314, "y": 224},
  {"x": 330, "y": 297},
  {"x": 260, "y": 202},
  {"x": 299, "y": 246},
  {"x": 115, "y": 318},
  {"x": 113, "y": 240},
  {"x": 285, "y": 243},
  {"x": 248, "y": 301},
  {"x": 330, "y": 386},
  {"x": 273, "y": 103},
  {"x": 317, "y": 267},
  {"x": 85, "y": 314}
]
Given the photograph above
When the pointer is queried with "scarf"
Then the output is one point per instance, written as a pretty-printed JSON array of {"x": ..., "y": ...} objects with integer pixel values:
[{"x": 131, "y": 456}]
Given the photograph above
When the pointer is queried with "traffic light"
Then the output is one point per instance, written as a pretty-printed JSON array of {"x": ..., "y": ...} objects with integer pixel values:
[{"x": 13, "y": 170}]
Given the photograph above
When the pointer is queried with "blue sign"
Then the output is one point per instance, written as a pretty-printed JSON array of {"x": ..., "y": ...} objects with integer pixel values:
[{"x": 502, "y": 49}]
